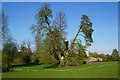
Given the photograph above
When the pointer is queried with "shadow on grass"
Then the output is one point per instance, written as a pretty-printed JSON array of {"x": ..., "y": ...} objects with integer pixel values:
[
  {"x": 32, "y": 64},
  {"x": 52, "y": 66}
]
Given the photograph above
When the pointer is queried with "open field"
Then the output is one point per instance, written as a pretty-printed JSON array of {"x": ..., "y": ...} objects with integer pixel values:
[{"x": 91, "y": 70}]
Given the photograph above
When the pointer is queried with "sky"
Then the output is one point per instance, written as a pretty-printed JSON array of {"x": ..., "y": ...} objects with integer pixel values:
[
  {"x": 103, "y": 15},
  {"x": 60, "y": 0}
]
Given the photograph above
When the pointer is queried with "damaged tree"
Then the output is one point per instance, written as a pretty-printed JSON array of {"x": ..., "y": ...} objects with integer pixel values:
[
  {"x": 55, "y": 30},
  {"x": 85, "y": 30}
]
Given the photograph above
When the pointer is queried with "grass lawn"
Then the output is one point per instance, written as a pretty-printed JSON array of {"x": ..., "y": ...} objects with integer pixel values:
[{"x": 91, "y": 70}]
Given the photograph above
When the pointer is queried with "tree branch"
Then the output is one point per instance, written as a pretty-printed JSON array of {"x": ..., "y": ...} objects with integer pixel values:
[{"x": 75, "y": 38}]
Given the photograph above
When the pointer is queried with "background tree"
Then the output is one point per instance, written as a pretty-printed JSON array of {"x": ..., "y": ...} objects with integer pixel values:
[
  {"x": 5, "y": 30},
  {"x": 102, "y": 56},
  {"x": 91, "y": 54},
  {"x": 108, "y": 57},
  {"x": 115, "y": 55},
  {"x": 9, "y": 45},
  {"x": 9, "y": 53},
  {"x": 95, "y": 54},
  {"x": 26, "y": 52}
]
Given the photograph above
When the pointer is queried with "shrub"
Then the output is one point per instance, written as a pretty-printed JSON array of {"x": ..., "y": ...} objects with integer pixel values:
[
  {"x": 26, "y": 58},
  {"x": 34, "y": 58},
  {"x": 74, "y": 61},
  {"x": 18, "y": 61},
  {"x": 4, "y": 68},
  {"x": 45, "y": 58}
]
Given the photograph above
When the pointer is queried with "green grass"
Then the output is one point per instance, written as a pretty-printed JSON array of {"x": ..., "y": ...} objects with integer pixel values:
[{"x": 91, "y": 70}]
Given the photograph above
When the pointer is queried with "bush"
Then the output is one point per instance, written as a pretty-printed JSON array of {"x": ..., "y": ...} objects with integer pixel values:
[
  {"x": 18, "y": 61},
  {"x": 45, "y": 58},
  {"x": 34, "y": 58},
  {"x": 74, "y": 61},
  {"x": 4, "y": 68},
  {"x": 26, "y": 59},
  {"x": 4, "y": 63}
]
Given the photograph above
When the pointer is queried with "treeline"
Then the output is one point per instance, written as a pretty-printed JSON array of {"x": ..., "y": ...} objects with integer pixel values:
[
  {"x": 12, "y": 53},
  {"x": 113, "y": 57}
]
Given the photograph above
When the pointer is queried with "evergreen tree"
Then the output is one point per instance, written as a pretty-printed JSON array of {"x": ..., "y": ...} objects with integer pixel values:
[{"x": 115, "y": 55}]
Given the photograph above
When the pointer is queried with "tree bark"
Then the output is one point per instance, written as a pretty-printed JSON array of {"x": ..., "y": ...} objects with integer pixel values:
[
  {"x": 66, "y": 53},
  {"x": 8, "y": 68}
]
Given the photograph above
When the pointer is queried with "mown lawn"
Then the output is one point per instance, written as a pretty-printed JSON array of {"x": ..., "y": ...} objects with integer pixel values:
[{"x": 91, "y": 70}]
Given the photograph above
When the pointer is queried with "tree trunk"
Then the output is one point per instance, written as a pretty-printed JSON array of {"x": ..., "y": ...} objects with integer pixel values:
[
  {"x": 74, "y": 39},
  {"x": 8, "y": 68},
  {"x": 61, "y": 58},
  {"x": 66, "y": 53}
]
